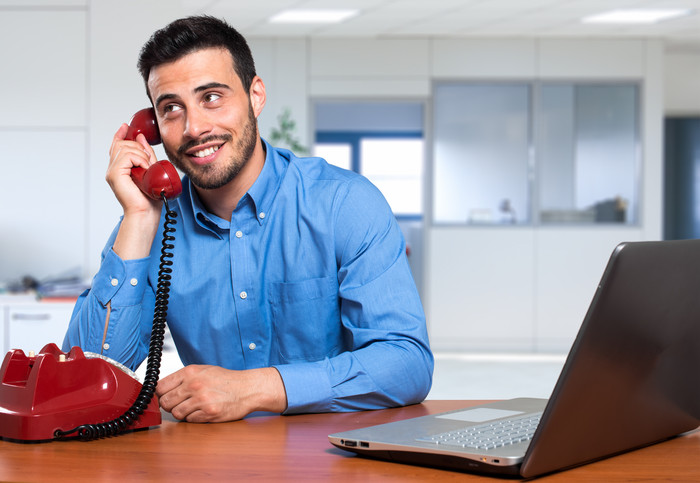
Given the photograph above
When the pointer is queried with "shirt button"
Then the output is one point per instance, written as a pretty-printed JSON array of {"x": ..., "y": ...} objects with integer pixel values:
[
  {"x": 239, "y": 234},
  {"x": 252, "y": 346},
  {"x": 262, "y": 215},
  {"x": 244, "y": 295},
  {"x": 106, "y": 347},
  {"x": 133, "y": 282},
  {"x": 114, "y": 282}
]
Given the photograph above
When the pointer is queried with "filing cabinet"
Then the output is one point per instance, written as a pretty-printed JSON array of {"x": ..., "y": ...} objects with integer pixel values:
[{"x": 31, "y": 325}]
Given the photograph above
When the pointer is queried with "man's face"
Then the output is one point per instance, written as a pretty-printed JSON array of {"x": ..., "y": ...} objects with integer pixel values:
[{"x": 206, "y": 118}]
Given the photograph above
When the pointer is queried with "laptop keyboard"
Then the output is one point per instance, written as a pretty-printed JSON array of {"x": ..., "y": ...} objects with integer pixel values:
[{"x": 491, "y": 435}]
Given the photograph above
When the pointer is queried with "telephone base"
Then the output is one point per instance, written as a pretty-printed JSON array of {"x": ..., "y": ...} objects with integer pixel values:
[{"x": 54, "y": 391}]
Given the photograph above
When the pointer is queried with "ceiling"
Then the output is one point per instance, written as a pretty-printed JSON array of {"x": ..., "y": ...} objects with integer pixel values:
[{"x": 457, "y": 18}]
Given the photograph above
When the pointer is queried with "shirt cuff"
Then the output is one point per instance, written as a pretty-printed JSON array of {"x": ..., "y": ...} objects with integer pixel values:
[
  {"x": 308, "y": 387},
  {"x": 122, "y": 282}
]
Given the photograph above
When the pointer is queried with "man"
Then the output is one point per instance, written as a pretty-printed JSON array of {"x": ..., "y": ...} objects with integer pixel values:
[{"x": 291, "y": 291}]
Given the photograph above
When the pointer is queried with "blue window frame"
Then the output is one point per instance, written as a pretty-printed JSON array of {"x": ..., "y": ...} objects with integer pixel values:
[{"x": 401, "y": 185}]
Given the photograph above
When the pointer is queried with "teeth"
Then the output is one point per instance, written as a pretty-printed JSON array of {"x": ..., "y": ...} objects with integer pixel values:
[{"x": 205, "y": 152}]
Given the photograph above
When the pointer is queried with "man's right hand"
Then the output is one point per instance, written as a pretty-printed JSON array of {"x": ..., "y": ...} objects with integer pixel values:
[{"x": 141, "y": 214}]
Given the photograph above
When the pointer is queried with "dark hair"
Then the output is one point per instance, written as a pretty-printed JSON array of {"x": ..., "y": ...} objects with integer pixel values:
[{"x": 191, "y": 34}]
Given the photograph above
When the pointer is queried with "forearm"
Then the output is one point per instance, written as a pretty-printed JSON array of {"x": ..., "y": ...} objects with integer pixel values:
[
  {"x": 107, "y": 319},
  {"x": 135, "y": 236},
  {"x": 383, "y": 374}
]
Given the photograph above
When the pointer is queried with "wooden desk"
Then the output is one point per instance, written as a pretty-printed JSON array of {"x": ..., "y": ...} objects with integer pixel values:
[{"x": 292, "y": 448}]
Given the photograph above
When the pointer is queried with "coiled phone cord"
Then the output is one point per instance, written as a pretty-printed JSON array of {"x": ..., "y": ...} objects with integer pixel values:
[{"x": 155, "y": 349}]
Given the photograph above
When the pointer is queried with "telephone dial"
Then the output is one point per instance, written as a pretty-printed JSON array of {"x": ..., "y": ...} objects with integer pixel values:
[{"x": 56, "y": 395}]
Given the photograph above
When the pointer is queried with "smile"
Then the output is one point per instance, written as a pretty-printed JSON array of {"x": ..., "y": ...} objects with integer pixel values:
[{"x": 206, "y": 152}]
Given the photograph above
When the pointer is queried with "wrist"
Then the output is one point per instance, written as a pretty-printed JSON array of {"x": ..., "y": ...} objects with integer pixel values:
[
  {"x": 136, "y": 234},
  {"x": 272, "y": 395}
]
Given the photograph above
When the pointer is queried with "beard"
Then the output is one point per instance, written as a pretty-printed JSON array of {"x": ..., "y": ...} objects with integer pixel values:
[{"x": 210, "y": 176}]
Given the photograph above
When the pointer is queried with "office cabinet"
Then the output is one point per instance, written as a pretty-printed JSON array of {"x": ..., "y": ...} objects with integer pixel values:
[
  {"x": 514, "y": 289},
  {"x": 30, "y": 326}
]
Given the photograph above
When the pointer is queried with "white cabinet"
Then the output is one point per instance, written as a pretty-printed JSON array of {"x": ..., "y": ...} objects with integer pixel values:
[
  {"x": 31, "y": 325},
  {"x": 516, "y": 289}
]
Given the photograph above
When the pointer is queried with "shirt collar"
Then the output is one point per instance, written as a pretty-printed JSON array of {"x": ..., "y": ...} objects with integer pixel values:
[
  {"x": 266, "y": 186},
  {"x": 262, "y": 193}
]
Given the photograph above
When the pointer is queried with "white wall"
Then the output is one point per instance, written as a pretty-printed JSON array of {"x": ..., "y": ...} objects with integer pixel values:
[
  {"x": 682, "y": 77},
  {"x": 74, "y": 81},
  {"x": 528, "y": 288},
  {"x": 43, "y": 136}
]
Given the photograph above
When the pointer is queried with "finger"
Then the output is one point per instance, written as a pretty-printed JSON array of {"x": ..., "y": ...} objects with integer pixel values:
[
  {"x": 135, "y": 156},
  {"x": 120, "y": 135},
  {"x": 187, "y": 410},
  {"x": 148, "y": 149},
  {"x": 169, "y": 383},
  {"x": 197, "y": 416}
]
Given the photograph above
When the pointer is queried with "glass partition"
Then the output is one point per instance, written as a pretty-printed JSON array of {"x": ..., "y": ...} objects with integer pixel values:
[
  {"x": 481, "y": 153},
  {"x": 535, "y": 153},
  {"x": 587, "y": 153}
]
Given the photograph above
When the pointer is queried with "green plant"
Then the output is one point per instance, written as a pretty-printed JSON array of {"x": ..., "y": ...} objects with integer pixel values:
[{"x": 283, "y": 134}]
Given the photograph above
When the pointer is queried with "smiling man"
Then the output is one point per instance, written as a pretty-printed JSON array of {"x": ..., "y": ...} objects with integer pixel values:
[{"x": 291, "y": 291}]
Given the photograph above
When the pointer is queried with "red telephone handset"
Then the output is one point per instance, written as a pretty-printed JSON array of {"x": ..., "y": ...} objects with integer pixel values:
[{"x": 161, "y": 178}]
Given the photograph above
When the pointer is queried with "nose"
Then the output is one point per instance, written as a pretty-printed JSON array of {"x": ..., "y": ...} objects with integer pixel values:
[{"x": 197, "y": 123}]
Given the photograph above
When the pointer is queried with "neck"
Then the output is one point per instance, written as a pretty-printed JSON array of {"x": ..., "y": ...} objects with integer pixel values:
[{"x": 222, "y": 201}]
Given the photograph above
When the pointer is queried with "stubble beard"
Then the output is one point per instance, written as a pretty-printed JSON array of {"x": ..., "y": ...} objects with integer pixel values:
[{"x": 209, "y": 176}]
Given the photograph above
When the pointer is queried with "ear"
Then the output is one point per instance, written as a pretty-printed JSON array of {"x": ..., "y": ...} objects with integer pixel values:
[{"x": 257, "y": 95}]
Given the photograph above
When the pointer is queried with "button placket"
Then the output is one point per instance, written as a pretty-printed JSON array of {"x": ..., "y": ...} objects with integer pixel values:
[{"x": 244, "y": 232}]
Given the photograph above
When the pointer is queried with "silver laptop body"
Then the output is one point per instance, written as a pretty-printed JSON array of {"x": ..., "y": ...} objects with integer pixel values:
[{"x": 629, "y": 381}]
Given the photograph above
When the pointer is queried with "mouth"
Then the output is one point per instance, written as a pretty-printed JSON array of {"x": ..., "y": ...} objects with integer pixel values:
[{"x": 205, "y": 152}]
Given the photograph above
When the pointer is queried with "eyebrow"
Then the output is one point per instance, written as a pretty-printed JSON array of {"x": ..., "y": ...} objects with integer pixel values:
[{"x": 210, "y": 85}]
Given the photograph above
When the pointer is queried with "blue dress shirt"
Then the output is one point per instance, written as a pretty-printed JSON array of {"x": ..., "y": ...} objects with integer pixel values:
[{"x": 310, "y": 276}]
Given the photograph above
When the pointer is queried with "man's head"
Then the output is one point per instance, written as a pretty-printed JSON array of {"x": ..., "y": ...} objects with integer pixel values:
[
  {"x": 200, "y": 76},
  {"x": 190, "y": 34}
]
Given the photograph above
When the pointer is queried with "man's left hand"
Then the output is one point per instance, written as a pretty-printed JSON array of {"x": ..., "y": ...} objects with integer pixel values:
[{"x": 199, "y": 393}]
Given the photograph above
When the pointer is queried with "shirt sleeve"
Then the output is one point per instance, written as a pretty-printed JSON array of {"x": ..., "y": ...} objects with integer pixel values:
[
  {"x": 389, "y": 362},
  {"x": 107, "y": 319}
]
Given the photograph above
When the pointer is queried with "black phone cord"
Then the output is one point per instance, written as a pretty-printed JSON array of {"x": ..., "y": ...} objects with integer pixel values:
[{"x": 155, "y": 350}]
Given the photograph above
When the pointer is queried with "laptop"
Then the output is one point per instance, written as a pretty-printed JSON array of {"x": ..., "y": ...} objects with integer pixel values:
[{"x": 629, "y": 381}]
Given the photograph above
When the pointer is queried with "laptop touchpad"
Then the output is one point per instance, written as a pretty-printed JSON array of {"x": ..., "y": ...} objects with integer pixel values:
[{"x": 479, "y": 415}]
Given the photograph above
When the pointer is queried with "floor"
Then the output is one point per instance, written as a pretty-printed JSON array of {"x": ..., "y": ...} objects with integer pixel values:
[
  {"x": 495, "y": 376},
  {"x": 466, "y": 376}
]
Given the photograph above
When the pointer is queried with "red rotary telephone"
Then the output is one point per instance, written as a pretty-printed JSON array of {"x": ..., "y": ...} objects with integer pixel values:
[{"x": 56, "y": 395}]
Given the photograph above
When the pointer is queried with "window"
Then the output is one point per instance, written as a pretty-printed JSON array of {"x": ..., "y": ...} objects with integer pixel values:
[
  {"x": 395, "y": 166},
  {"x": 588, "y": 153},
  {"x": 536, "y": 153},
  {"x": 482, "y": 153},
  {"x": 383, "y": 141},
  {"x": 338, "y": 154}
]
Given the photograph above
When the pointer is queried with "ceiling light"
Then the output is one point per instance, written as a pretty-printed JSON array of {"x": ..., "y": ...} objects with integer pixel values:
[
  {"x": 636, "y": 16},
  {"x": 313, "y": 16}
]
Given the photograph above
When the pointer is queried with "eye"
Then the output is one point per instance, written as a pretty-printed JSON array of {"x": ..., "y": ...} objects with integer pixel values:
[
  {"x": 171, "y": 108},
  {"x": 211, "y": 97}
]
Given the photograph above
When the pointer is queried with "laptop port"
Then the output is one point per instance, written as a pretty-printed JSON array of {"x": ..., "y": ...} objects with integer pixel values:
[
  {"x": 350, "y": 444},
  {"x": 364, "y": 444}
]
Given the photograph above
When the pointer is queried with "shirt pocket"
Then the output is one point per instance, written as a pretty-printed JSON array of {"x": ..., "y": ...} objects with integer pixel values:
[{"x": 305, "y": 319}]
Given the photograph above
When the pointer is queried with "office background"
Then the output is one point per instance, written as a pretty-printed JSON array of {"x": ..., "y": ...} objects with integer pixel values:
[{"x": 69, "y": 79}]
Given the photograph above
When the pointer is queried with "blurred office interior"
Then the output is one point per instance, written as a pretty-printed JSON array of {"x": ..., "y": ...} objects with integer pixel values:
[{"x": 517, "y": 143}]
